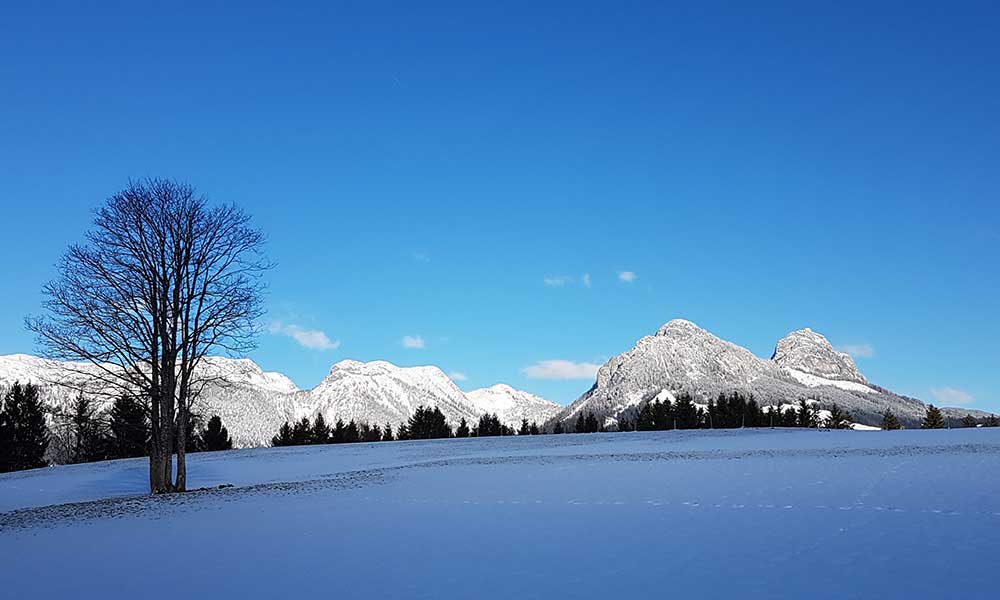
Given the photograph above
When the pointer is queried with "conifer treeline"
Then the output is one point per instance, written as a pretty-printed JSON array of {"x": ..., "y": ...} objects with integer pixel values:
[
  {"x": 424, "y": 424},
  {"x": 30, "y": 432}
]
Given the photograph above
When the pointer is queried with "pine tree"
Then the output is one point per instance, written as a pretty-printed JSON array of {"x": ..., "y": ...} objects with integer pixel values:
[
  {"x": 581, "y": 424},
  {"x": 525, "y": 428},
  {"x": 88, "y": 432},
  {"x": 320, "y": 431},
  {"x": 6, "y": 438},
  {"x": 889, "y": 421},
  {"x": 591, "y": 423},
  {"x": 806, "y": 416},
  {"x": 462, "y": 431},
  {"x": 128, "y": 428},
  {"x": 933, "y": 419},
  {"x": 284, "y": 437},
  {"x": 387, "y": 433},
  {"x": 216, "y": 436},
  {"x": 351, "y": 433},
  {"x": 992, "y": 421},
  {"x": 533, "y": 429},
  {"x": 838, "y": 418},
  {"x": 968, "y": 421},
  {"x": 302, "y": 432},
  {"x": 27, "y": 429},
  {"x": 686, "y": 413},
  {"x": 402, "y": 433},
  {"x": 558, "y": 428}
]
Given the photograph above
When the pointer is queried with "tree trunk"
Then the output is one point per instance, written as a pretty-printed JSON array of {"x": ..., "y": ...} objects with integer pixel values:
[{"x": 182, "y": 426}]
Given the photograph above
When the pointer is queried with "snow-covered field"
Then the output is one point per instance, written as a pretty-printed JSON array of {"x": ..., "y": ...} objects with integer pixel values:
[{"x": 722, "y": 514}]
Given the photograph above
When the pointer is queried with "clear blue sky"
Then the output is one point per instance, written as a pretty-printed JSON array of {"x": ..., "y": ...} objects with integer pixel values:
[{"x": 433, "y": 170}]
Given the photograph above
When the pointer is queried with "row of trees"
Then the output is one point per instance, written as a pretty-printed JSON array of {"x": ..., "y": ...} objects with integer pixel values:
[
  {"x": 31, "y": 434},
  {"x": 424, "y": 424}
]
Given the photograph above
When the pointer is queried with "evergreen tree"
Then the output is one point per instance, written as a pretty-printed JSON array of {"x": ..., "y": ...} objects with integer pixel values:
[
  {"x": 302, "y": 432},
  {"x": 992, "y": 421},
  {"x": 320, "y": 431},
  {"x": 533, "y": 429},
  {"x": 339, "y": 433},
  {"x": 525, "y": 428},
  {"x": 591, "y": 423},
  {"x": 387, "y": 433},
  {"x": 128, "y": 428},
  {"x": 933, "y": 419},
  {"x": 968, "y": 421},
  {"x": 462, "y": 431},
  {"x": 838, "y": 418},
  {"x": 284, "y": 437},
  {"x": 403, "y": 433},
  {"x": 351, "y": 433},
  {"x": 27, "y": 431},
  {"x": 807, "y": 416},
  {"x": 427, "y": 424},
  {"x": 789, "y": 417},
  {"x": 686, "y": 413},
  {"x": 581, "y": 424},
  {"x": 6, "y": 438},
  {"x": 489, "y": 425},
  {"x": 889, "y": 421},
  {"x": 216, "y": 436},
  {"x": 88, "y": 432},
  {"x": 558, "y": 429}
]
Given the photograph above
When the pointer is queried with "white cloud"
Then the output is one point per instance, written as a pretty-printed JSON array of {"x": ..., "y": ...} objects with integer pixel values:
[
  {"x": 420, "y": 256},
  {"x": 413, "y": 341},
  {"x": 858, "y": 350},
  {"x": 313, "y": 339},
  {"x": 456, "y": 376},
  {"x": 585, "y": 279},
  {"x": 950, "y": 395},
  {"x": 557, "y": 280},
  {"x": 627, "y": 276},
  {"x": 561, "y": 369}
]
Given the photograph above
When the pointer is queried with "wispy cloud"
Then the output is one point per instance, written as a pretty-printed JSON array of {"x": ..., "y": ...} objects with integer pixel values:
[
  {"x": 627, "y": 276},
  {"x": 420, "y": 256},
  {"x": 561, "y": 369},
  {"x": 313, "y": 339},
  {"x": 585, "y": 280},
  {"x": 413, "y": 341},
  {"x": 857, "y": 350},
  {"x": 457, "y": 376},
  {"x": 557, "y": 280},
  {"x": 949, "y": 395}
]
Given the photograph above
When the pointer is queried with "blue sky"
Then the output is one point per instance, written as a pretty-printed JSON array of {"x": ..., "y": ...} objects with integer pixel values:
[{"x": 480, "y": 178}]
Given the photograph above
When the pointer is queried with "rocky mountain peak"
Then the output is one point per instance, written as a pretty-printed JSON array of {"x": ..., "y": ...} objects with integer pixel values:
[{"x": 809, "y": 352}]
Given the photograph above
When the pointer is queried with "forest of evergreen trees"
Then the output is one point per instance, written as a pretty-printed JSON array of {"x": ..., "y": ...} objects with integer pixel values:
[{"x": 33, "y": 435}]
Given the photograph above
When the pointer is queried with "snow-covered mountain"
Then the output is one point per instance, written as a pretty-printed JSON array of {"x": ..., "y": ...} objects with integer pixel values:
[
  {"x": 512, "y": 405},
  {"x": 253, "y": 403},
  {"x": 684, "y": 357}
]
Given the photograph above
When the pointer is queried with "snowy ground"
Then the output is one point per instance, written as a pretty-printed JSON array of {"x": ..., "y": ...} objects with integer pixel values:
[{"x": 770, "y": 513}]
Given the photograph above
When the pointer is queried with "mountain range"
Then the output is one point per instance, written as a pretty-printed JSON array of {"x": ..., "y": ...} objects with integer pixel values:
[{"x": 680, "y": 357}]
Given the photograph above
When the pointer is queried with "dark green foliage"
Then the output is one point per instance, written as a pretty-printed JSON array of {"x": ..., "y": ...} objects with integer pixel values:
[
  {"x": 89, "y": 439},
  {"x": 790, "y": 418},
  {"x": 490, "y": 425},
  {"x": 992, "y": 421},
  {"x": 320, "y": 431},
  {"x": 968, "y": 421},
  {"x": 933, "y": 419},
  {"x": 25, "y": 434},
  {"x": 686, "y": 413},
  {"x": 387, "y": 435},
  {"x": 525, "y": 428},
  {"x": 216, "y": 436},
  {"x": 838, "y": 419},
  {"x": 558, "y": 428},
  {"x": 587, "y": 423},
  {"x": 284, "y": 437},
  {"x": 462, "y": 431},
  {"x": 889, "y": 421},
  {"x": 624, "y": 424},
  {"x": 428, "y": 424},
  {"x": 533, "y": 429},
  {"x": 302, "y": 432},
  {"x": 806, "y": 415},
  {"x": 128, "y": 428},
  {"x": 369, "y": 434},
  {"x": 403, "y": 432},
  {"x": 655, "y": 416}
]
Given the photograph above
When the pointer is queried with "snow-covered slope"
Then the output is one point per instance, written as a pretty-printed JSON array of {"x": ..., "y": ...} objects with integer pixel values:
[
  {"x": 684, "y": 357},
  {"x": 379, "y": 392},
  {"x": 511, "y": 405}
]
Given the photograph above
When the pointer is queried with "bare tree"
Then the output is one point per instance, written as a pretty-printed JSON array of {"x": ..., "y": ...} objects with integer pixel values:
[{"x": 163, "y": 280}]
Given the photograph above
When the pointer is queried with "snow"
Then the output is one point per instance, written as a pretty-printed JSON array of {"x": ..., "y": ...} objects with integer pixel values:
[
  {"x": 810, "y": 380},
  {"x": 715, "y": 514},
  {"x": 512, "y": 405}
]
